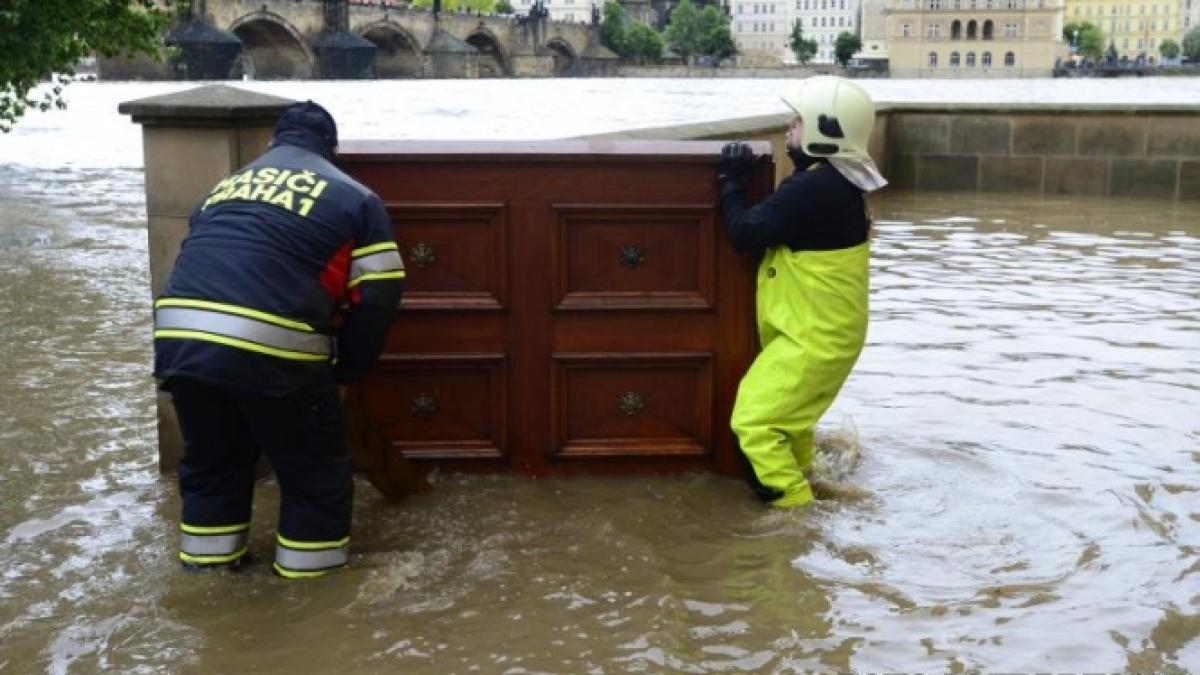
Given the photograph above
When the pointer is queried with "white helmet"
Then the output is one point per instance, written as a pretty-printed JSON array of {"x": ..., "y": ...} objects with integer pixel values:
[{"x": 838, "y": 116}]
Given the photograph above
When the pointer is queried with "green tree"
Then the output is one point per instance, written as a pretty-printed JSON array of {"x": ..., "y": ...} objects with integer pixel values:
[
  {"x": 613, "y": 29},
  {"x": 802, "y": 48},
  {"x": 42, "y": 39},
  {"x": 644, "y": 43},
  {"x": 846, "y": 46},
  {"x": 1086, "y": 37},
  {"x": 1169, "y": 49},
  {"x": 683, "y": 30},
  {"x": 459, "y": 5},
  {"x": 504, "y": 7},
  {"x": 715, "y": 38},
  {"x": 1110, "y": 54},
  {"x": 1191, "y": 45}
]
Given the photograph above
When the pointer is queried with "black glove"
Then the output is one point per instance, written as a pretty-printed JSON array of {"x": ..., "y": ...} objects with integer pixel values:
[{"x": 737, "y": 160}]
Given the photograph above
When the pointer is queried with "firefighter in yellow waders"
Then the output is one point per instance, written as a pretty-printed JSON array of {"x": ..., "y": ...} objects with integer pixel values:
[{"x": 812, "y": 282}]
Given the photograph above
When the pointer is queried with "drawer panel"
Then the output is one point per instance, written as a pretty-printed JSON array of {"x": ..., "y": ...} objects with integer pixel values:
[
  {"x": 634, "y": 257},
  {"x": 455, "y": 254},
  {"x": 632, "y": 405},
  {"x": 443, "y": 406}
]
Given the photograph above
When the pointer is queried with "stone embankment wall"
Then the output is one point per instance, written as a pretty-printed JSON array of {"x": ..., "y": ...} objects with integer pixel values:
[{"x": 1148, "y": 151}]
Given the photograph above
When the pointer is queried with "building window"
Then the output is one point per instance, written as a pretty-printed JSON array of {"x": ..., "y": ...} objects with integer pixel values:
[
  {"x": 1010, "y": 30},
  {"x": 1010, "y": 59},
  {"x": 987, "y": 60},
  {"x": 935, "y": 4},
  {"x": 987, "y": 29},
  {"x": 955, "y": 30},
  {"x": 954, "y": 59},
  {"x": 972, "y": 29},
  {"x": 933, "y": 30},
  {"x": 905, "y": 29},
  {"x": 970, "y": 59},
  {"x": 933, "y": 59}
]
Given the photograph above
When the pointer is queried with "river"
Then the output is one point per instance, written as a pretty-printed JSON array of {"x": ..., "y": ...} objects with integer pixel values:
[{"x": 1020, "y": 439}]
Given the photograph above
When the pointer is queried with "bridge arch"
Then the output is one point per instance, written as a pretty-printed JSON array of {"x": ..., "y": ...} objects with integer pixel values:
[
  {"x": 398, "y": 52},
  {"x": 564, "y": 55},
  {"x": 493, "y": 58},
  {"x": 272, "y": 49}
]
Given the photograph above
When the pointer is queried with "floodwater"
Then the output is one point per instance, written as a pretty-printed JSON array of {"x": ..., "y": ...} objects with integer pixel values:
[{"x": 1018, "y": 452}]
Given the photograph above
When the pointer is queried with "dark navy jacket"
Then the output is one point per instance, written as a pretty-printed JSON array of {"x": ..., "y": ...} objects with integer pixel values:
[
  {"x": 285, "y": 251},
  {"x": 814, "y": 209}
]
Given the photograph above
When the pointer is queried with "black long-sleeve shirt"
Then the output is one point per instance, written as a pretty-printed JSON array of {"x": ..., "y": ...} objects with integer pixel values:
[{"x": 814, "y": 209}]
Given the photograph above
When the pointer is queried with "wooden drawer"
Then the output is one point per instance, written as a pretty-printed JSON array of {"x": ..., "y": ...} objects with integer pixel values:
[
  {"x": 643, "y": 405},
  {"x": 444, "y": 406},
  {"x": 650, "y": 257},
  {"x": 455, "y": 254},
  {"x": 571, "y": 307}
]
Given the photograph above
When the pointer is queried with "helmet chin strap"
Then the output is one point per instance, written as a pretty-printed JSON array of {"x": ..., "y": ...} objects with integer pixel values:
[{"x": 801, "y": 159}]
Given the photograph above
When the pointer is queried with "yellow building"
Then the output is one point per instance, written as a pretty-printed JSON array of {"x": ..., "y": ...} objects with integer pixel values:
[
  {"x": 1136, "y": 28},
  {"x": 974, "y": 38}
]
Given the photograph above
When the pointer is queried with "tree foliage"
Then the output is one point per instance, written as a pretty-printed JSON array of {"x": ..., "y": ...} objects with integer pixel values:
[
  {"x": 488, "y": 6},
  {"x": 715, "y": 39},
  {"x": 1169, "y": 49},
  {"x": 803, "y": 49},
  {"x": 504, "y": 7},
  {"x": 1191, "y": 45},
  {"x": 613, "y": 24},
  {"x": 683, "y": 33},
  {"x": 1110, "y": 54},
  {"x": 43, "y": 39},
  {"x": 846, "y": 46},
  {"x": 1086, "y": 37},
  {"x": 644, "y": 44}
]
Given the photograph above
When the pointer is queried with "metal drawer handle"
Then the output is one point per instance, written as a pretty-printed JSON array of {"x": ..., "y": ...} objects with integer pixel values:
[
  {"x": 424, "y": 406},
  {"x": 632, "y": 256},
  {"x": 422, "y": 255},
  {"x": 631, "y": 403}
]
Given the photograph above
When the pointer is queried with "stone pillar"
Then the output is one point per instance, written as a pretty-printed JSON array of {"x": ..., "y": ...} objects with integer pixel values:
[{"x": 191, "y": 140}]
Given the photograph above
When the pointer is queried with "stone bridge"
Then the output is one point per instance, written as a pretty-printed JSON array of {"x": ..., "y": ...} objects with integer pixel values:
[{"x": 285, "y": 39}]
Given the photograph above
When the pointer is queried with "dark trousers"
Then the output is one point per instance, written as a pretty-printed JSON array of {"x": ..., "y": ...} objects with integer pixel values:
[{"x": 225, "y": 429}]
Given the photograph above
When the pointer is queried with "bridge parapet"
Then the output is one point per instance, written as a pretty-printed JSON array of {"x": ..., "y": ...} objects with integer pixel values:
[{"x": 290, "y": 39}]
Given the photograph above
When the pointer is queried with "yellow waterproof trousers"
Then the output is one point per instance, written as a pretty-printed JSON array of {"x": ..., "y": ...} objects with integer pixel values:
[{"x": 812, "y": 322}]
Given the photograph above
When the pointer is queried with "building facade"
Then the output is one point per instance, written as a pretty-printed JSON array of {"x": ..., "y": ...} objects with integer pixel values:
[
  {"x": 873, "y": 31},
  {"x": 760, "y": 29},
  {"x": 823, "y": 21},
  {"x": 974, "y": 38},
  {"x": 577, "y": 11},
  {"x": 1136, "y": 29},
  {"x": 1189, "y": 15}
]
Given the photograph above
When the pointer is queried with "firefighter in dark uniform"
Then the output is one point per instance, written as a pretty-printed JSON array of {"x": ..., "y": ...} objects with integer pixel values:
[
  {"x": 284, "y": 289},
  {"x": 811, "y": 302}
]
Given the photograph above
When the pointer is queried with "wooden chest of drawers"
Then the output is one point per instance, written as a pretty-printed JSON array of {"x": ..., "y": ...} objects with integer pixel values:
[{"x": 570, "y": 305}]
